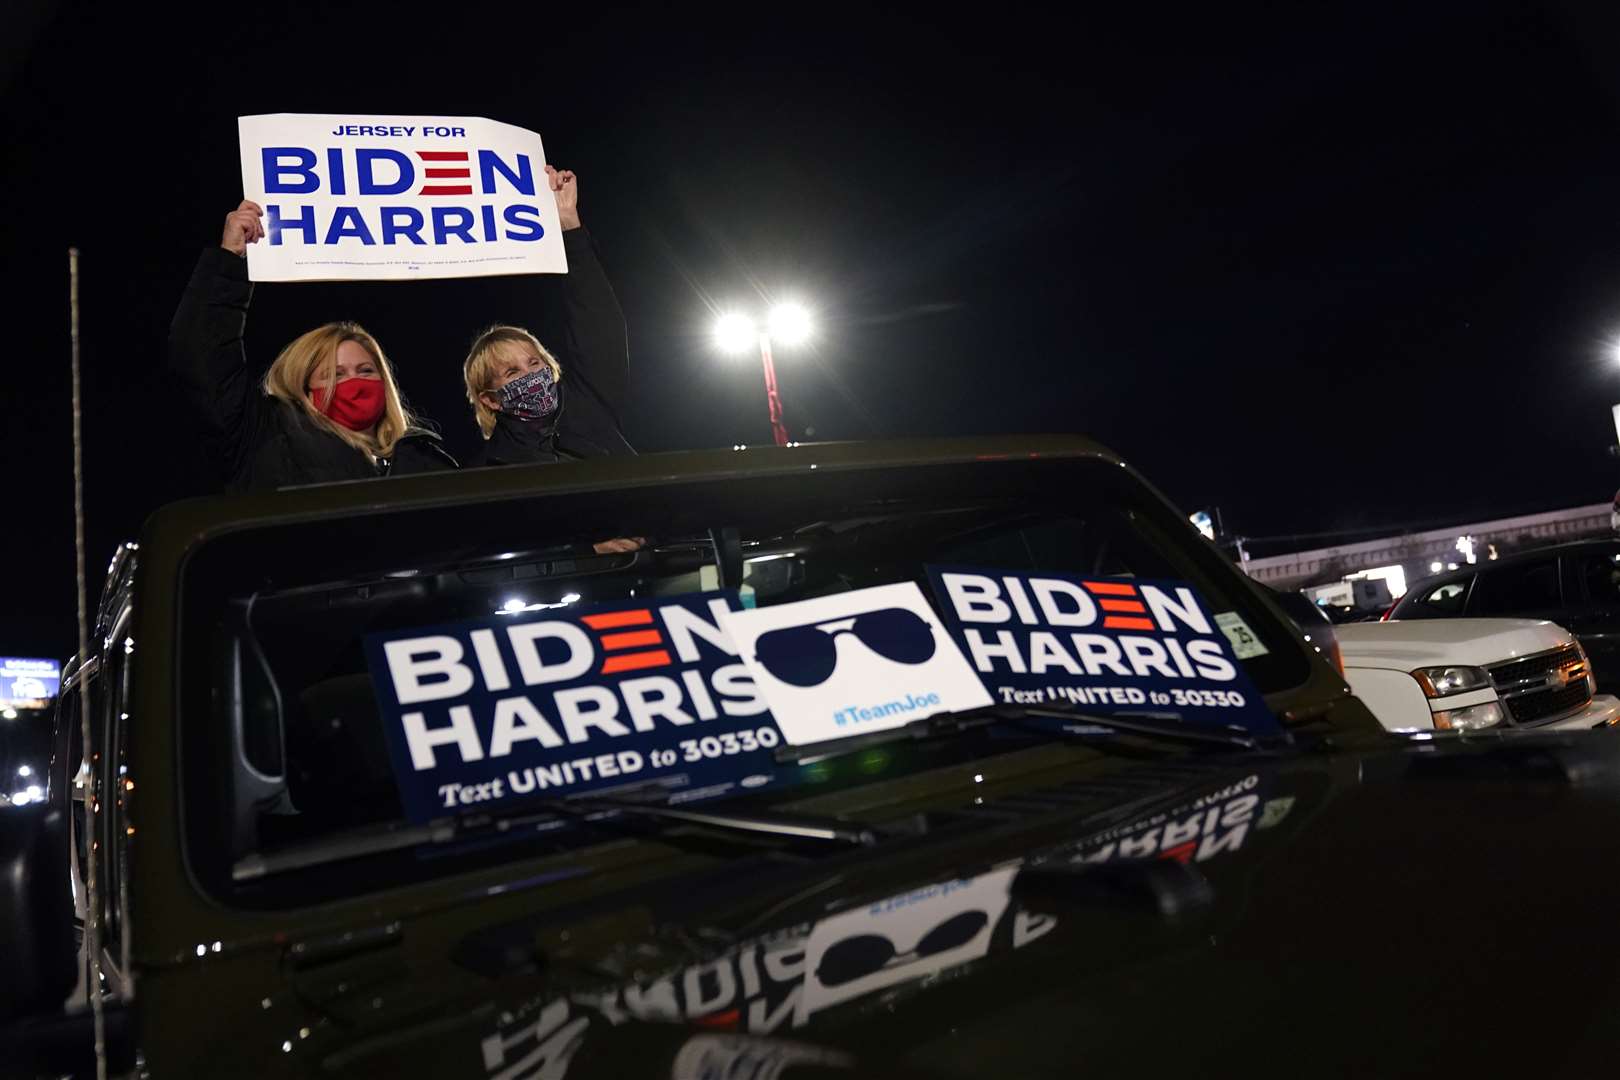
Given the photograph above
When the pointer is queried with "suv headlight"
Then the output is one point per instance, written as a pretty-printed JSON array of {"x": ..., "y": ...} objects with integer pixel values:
[
  {"x": 1445, "y": 681},
  {"x": 1470, "y": 719}
]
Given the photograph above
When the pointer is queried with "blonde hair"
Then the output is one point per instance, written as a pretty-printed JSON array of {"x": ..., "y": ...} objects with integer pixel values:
[
  {"x": 487, "y": 350},
  {"x": 309, "y": 363}
]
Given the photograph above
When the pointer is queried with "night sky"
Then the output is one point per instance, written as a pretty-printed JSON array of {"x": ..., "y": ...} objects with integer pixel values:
[{"x": 1328, "y": 271}]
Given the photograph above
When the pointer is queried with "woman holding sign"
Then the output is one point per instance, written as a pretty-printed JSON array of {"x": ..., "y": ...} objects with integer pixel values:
[
  {"x": 328, "y": 408},
  {"x": 533, "y": 407}
]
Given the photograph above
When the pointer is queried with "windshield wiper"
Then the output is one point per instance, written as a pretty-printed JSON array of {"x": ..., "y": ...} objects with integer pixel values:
[
  {"x": 1163, "y": 727},
  {"x": 376, "y": 839},
  {"x": 393, "y": 837},
  {"x": 792, "y": 826}
]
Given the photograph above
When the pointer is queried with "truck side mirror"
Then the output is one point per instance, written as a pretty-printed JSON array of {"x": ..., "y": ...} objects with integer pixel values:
[{"x": 36, "y": 912}]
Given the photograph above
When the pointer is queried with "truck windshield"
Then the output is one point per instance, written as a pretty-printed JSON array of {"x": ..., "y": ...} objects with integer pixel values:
[{"x": 283, "y": 746}]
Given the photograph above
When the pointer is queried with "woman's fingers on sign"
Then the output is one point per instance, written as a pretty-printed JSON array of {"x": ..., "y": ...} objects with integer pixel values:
[
  {"x": 242, "y": 227},
  {"x": 238, "y": 230},
  {"x": 567, "y": 190}
]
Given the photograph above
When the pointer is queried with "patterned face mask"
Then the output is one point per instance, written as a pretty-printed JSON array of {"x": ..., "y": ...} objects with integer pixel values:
[{"x": 530, "y": 397}]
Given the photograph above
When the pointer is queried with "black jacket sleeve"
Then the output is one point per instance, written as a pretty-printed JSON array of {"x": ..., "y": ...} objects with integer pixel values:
[
  {"x": 206, "y": 353},
  {"x": 596, "y": 350}
]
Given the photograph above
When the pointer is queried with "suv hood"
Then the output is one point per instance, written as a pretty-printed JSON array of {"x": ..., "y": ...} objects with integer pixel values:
[
  {"x": 1416, "y": 643},
  {"x": 1272, "y": 912}
]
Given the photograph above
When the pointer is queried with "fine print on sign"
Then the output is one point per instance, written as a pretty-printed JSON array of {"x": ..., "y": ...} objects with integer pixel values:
[
  {"x": 397, "y": 198},
  {"x": 1106, "y": 645},
  {"x": 493, "y": 711},
  {"x": 854, "y": 662}
]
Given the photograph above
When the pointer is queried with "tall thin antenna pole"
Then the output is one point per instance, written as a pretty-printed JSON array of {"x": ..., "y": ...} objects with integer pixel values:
[{"x": 92, "y": 892}]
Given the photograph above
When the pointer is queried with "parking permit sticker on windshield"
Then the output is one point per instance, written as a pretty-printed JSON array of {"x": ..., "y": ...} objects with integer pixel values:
[
  {"x": 854, "y": 662},
  {"x": 1101, "y": 645},
  {"x": 495, "y": 711},
  {"x": 1245, "y": 642}
]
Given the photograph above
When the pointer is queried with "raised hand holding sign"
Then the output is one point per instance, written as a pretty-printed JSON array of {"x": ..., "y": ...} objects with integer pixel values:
[
  {"x": 243, "y": 227},
  {"x": 565, "y": 186}
]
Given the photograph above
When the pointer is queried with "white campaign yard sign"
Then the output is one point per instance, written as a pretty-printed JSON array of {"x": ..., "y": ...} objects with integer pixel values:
[
  {"x": 853, "y": 662},
  {"x": 388, "y": 198}
]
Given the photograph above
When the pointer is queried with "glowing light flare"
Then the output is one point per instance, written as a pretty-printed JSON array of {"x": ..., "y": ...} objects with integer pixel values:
[
  {"x": 734, "y": 333},
  {"x": 790, "y": 324}
]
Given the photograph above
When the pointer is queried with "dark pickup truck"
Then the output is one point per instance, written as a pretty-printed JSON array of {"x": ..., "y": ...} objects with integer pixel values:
[{"x": 966, "y": 895}]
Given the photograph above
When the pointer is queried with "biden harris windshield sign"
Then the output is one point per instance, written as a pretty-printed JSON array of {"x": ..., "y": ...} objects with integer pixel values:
[
  {"x": 494, "y": 711},
  {"x": 1104, "y": 645},
  {"x": 397, "y": 198}
]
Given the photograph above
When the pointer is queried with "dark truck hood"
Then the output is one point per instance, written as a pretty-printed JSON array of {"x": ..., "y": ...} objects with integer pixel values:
[{"x": 1437, "y": 907}]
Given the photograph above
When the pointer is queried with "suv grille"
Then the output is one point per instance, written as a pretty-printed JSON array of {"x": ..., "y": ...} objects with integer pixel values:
[{"x": 1544, "y": 687}]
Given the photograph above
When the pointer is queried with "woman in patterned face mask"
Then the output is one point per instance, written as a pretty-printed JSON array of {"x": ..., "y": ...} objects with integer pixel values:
[{"x": 532, "y": 407}]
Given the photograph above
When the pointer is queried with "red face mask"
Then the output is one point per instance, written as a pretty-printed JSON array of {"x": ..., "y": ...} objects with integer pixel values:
[{"x": 357, "y": 404}]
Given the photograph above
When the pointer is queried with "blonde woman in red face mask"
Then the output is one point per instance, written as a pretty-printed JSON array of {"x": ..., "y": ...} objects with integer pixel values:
[{"x": 328, "y": 408}]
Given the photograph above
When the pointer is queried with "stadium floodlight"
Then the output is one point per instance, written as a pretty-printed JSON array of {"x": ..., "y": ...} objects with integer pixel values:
[
  {"x": 790, "y": 324},
  {"x": 735, "y": 333}
]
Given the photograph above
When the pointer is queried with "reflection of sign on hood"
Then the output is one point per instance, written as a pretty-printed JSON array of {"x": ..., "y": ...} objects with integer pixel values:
[
  {"x": 1098, "y": 644},
  {"x": 900, "y": 939},
  {"x": 790, "y": 977},
  {"x": 907, "y": 939},
  {"x": 1215, "y": 822},
  {"x": 495, "y": 710}
]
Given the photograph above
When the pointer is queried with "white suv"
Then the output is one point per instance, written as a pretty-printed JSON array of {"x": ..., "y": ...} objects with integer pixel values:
[{"x": 1466, "y": 674}]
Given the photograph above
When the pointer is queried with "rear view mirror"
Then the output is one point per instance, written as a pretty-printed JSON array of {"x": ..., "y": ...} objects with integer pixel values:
[{"x": 36, "y": 912}]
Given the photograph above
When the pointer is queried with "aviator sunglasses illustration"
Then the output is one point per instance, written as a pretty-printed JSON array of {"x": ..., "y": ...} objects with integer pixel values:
[
  {"x": 807, "y": 655},
  {"x": 858, "y": 661}
]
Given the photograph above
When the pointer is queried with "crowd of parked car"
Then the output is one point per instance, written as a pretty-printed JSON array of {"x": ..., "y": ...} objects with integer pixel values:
[{"x": 1531, "y": 640}]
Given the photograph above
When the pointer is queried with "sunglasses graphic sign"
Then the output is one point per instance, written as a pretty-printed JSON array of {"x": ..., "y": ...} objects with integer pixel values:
[
  {"x": 1103, "y": 644},
  {"x": 852, "y": 663},
  {"x": 493, "y": 711}
]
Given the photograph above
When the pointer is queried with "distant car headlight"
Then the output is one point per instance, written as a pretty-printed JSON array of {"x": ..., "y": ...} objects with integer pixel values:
[
  {"x": 1445, "y": 681},
  {"x": 1470, "y": 719}
]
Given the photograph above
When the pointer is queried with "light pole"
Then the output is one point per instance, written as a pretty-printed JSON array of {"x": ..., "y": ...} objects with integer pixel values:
[{"x": 789, "y": 324}]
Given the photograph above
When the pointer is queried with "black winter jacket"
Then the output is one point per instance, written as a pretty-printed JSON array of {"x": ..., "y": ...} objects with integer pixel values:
[
  {"x": 260, "y": 441},
  {"x": 595, "y": 359}
]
